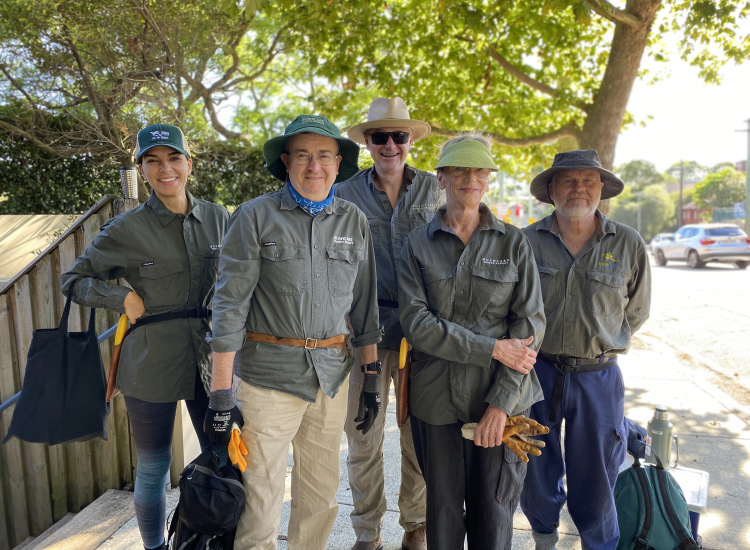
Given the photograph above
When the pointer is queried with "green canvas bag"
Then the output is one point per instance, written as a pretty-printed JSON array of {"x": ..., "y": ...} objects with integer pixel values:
[{"x": 651, "y": 510}]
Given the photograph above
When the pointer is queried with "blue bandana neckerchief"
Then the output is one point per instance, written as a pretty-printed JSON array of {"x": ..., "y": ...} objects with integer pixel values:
[{"x": 311, "y": 207}]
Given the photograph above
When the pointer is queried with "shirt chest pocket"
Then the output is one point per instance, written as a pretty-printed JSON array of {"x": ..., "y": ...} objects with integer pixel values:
[
  {"x": 343, "y": 264},
  {"x": 492, "y": 289},
  {"x": 438, "y": 287},
  {"x": 163, "y": 284},
  {"x": 604, "y": 293},
  {"x": 550, "y": 283},
  {"x": 282, "y": 270}
]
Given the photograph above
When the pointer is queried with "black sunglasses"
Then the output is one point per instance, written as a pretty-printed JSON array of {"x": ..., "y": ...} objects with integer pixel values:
[{"x": 381, "y": 138}]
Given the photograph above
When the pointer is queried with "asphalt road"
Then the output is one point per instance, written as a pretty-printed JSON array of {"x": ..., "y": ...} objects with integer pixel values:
[{"x": 706, "y": 312}]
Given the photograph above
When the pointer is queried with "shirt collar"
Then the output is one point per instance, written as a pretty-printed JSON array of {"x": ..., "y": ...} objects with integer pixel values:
[
  {"x": 487, "y": 221},
  {"x": 604, "y": 225},
  {"x": 409, "y": 175},
  {"x": 165, "y": 215}
]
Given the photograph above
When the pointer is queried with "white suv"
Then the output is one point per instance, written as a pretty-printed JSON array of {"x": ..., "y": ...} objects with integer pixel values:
[{"x": 706, "y": 242}]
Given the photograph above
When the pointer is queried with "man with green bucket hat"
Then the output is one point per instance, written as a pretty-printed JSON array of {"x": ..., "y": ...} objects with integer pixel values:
[{"x": 297, "y": 278}]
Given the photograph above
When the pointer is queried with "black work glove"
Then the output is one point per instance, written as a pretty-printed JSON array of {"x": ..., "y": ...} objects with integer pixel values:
[
  {"x": 369, "y": 403},
  {"x": 221, "y": 415}
]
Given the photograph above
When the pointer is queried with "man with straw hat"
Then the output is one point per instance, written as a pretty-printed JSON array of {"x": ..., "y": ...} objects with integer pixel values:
[
  {"x": 296, "y": 264},
  {"x": 396, "y": 198},
  {"x": 597, "y": 290}
]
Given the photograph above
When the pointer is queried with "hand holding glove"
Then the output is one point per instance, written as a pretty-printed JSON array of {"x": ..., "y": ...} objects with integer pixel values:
[
  {"x": 517, "y": 436},
  {"x": 369, "y": 398},
  {"x": 223, "y": 419}
]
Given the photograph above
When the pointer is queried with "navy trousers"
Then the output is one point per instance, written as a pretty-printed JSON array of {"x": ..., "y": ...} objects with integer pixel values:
[{"x": 593, "y": 408}]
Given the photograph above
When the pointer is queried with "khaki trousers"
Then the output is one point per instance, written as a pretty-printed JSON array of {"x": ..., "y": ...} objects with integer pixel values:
[
  {"x": 365, "y": 460},
  {"x": 272, "y": 421}
]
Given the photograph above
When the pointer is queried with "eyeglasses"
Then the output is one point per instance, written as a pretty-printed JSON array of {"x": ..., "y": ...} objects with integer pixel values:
[
  {"x": 304, "y": 159},
  {"x": 381, "y": 138},
  {"x": 459, "y": 171}
]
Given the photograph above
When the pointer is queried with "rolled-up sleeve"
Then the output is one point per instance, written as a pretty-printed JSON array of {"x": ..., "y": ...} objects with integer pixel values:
[
  {"x": 525, "y": 318},
  {"x": 239, "y": 269},
  {"x": 638, "y": 307},
  {"x": 426, "y": 331},
  {"x": 102, "y": 261},
  {"x": 364, "y": 313}
]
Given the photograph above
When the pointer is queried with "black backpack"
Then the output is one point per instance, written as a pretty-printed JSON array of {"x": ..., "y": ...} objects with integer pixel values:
[{"x": 211, "y": 501}]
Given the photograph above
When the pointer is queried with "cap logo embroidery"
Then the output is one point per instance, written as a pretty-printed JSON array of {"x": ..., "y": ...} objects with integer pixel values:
[
  {"x": 315, "y": 120},
  {"x": 343, "y": 240},
  {"x": 160, "y": 134},
  {"x": 490, "y": 261}
]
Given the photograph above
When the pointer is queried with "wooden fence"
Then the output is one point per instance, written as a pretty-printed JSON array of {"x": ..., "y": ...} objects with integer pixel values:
[{"x": 40, "y": 484}]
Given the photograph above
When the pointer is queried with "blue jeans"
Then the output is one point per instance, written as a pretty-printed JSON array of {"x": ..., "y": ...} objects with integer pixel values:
[
  {"x": 593, "y": 407},
  {"x": 152, "y": 425}
]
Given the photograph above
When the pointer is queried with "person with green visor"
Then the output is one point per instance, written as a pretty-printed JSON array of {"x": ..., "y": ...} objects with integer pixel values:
[
  {"x": 297, "y": 279},
  {"x": 471, "y": 307},
  {"x": 167, "y": 249}
]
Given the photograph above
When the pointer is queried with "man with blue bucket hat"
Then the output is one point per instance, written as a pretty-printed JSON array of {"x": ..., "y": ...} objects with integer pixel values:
[{"x": 596, "y": 286}]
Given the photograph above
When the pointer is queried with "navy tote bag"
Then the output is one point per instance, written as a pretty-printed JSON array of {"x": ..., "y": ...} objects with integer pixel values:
[{"x": 62, "y": 399}]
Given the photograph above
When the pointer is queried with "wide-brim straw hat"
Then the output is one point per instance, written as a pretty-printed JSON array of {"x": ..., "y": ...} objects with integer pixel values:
[
  {"x": 311, "y": 124},
  {"x": 587, "y": 159},
  {"x": 389, "y": 113}
]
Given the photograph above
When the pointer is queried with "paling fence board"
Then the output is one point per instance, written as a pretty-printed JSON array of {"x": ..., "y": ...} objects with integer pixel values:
[{"x": 39, "y": 484}]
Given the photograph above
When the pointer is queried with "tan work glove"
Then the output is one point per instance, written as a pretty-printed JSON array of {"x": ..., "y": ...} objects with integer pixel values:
[{"x": 517, "y": 436}]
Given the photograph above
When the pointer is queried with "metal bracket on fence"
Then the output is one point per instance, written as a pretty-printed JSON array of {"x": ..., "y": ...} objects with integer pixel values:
[{"x": 103, "y": 337}]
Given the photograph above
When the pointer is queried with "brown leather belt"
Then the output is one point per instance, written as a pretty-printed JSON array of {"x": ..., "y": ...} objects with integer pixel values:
[{"x": 307, "y": 343}]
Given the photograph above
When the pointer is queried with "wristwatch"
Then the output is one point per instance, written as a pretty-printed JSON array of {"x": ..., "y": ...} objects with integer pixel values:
[{"x": 376, "y": 366}]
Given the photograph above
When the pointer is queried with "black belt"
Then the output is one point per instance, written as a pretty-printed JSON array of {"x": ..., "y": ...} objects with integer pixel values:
[
  {"x": 388, "y": 303},
  {"x": 565, "y": 364},
  {"x": 197, "y": 313}
]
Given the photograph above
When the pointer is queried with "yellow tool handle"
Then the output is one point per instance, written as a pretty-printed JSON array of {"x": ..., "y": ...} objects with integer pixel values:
[
  {"x": 403, "y": 352},
  {"x": 122, "y": 328}
]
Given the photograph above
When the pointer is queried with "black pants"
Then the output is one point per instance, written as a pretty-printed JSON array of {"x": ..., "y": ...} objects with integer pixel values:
[{"x": 472, "y": 492}]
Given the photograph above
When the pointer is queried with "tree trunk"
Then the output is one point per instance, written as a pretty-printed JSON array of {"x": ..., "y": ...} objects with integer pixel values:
[{"x": 604, "y": 121}]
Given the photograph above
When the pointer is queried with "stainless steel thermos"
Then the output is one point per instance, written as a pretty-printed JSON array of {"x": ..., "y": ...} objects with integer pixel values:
[{"x": 659, "y": 439}]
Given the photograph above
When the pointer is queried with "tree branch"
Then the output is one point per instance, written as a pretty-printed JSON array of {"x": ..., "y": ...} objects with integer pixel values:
[
  {"x": 148, "y": 17},
  {"x": 204, "y": 93},
  {"x": 615, "y": 14},
  {"x": 569, "y": 130},
  {"x": 519, "y": 75},
  {"x": 56, "y": 151}
]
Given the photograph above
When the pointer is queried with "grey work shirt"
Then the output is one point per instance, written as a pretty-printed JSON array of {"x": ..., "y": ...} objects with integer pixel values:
[
  {"x": 418, "y": 200},
  {"x": 286, "y": 273},
  {"x": 171, "y": 261},
  {"x": 597, "y": 300},
  {"x": 456, "y": 301}
]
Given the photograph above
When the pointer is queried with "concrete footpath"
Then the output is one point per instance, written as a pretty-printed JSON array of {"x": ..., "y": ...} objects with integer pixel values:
[{"x": 714, "y": 433}]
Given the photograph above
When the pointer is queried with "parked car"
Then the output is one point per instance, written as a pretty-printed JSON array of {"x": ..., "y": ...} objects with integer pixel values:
[
  {"x": 699, "y": 244},
  {"x": 659, "y": 238}
]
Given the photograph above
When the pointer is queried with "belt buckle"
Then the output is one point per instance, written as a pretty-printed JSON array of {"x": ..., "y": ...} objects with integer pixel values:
[{"x": 314, "y": 343}]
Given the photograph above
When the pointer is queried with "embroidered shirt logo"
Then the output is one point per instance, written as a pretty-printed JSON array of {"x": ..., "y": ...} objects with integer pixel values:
[
  {"x": 491, "y": 261},
  {"x": 146, "y": 264},
  {"x": 269, "y": 243},
  {"x": 159, "y": 134},
  {"x": 424, "y": 206},
  {"x": 343, "y": 240},
  {"x": 215, "y": 247},
  {"x": 608, "y": 262}
]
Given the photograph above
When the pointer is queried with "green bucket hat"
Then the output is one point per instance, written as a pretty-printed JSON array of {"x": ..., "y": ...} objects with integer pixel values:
[
  {"x": 160, "y": 134},
  {"x": 469, "y": 153},
  {"x": 303, "y": 124}
]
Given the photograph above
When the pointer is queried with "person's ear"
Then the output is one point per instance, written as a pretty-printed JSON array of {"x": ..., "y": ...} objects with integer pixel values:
[
  {"x": 285, "y": 160},
  {"x": 441, "y": 182},
  {"x": 190, "y": 165}
]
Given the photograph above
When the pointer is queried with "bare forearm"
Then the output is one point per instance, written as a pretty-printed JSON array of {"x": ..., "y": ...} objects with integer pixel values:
[
  {"x": 369, "y": 354},
  {"x": 222, "y": 368}
]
